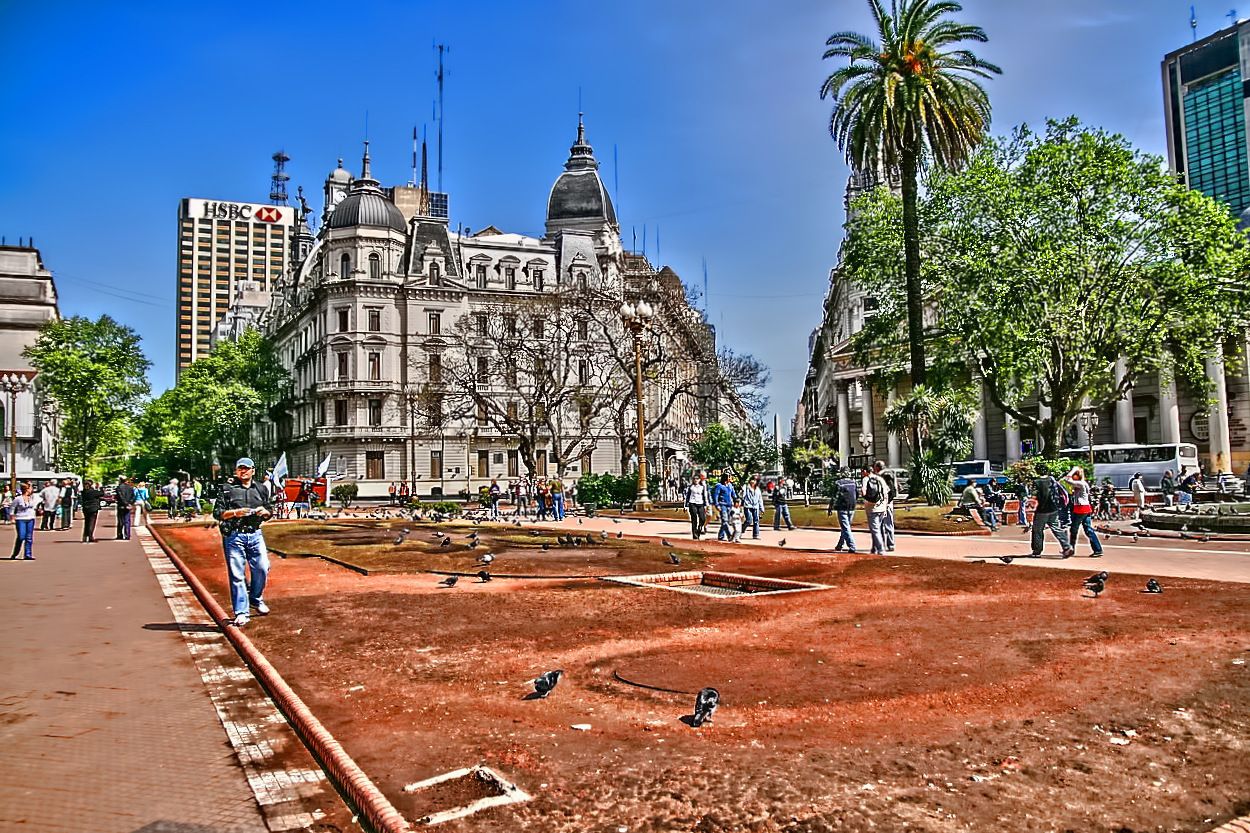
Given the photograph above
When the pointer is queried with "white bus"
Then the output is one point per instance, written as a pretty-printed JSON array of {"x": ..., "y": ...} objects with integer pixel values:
[{"x": 1121, "y": 462}]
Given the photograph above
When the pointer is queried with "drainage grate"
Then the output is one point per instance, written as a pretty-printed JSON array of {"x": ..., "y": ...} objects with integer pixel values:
[{"x": 717, "y": 584}]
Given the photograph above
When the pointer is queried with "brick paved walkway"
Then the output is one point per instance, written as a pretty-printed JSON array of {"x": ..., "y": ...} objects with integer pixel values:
[{"x": 105, "y": 723}]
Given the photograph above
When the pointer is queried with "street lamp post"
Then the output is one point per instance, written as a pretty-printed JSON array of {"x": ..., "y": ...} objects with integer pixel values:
[
  {"x": 13, "y": 384},
  {"x": 865, "y": 441},
  {"x": 411, "y": 397},
  {"x": 637, "y": 319},
  {"x": 1088, "y": 420}
]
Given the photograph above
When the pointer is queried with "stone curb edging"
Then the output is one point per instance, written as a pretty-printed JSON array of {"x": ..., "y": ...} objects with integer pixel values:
[{"x": 344, "y": 773}]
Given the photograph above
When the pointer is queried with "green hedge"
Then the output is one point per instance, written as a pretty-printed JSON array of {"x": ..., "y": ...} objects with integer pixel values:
[{"x": 607, "y": 489}]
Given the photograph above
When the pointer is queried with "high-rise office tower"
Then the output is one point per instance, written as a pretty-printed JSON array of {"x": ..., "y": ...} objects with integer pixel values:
[
  {"x": 1205, "y": 89},
  {"x": 220, "y": 244}
]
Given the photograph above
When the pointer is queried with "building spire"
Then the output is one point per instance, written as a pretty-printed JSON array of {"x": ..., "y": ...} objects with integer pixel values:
[
  {"x": 364, "y": 164},
  {"x": 581, "y": 155}
]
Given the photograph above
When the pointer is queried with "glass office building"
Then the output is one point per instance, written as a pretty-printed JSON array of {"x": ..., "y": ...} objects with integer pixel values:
[{"x": 1205, "y": 100}]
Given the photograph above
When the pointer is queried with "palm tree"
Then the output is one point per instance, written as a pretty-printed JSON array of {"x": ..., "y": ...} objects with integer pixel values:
[{"x": 907, "y": 100}]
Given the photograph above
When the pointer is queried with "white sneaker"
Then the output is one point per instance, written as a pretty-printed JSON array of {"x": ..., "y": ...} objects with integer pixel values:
[
  {"x": 262, "y": 609},
  {"x": 241, "y": 620}
]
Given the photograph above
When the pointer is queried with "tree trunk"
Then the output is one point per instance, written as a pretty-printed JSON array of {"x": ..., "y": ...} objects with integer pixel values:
[{"x": 911, "y": 253}]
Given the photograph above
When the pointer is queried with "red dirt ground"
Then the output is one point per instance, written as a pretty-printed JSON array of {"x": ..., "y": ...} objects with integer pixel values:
[{"x": 914, "y": 695}]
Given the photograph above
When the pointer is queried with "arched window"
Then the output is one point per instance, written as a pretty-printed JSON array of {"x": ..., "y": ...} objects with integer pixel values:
[
  {"x": 435, "y": 274},
  {"x": 375, "y": 265},
  {"x": 345, "y": 266}
]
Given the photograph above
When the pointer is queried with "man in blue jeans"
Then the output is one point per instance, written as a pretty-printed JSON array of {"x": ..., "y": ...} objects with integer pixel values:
[
  {"x": 241, "y": 508},
  {"x": 724, "y": 495},
  {"x": 844, "y": 502},
  {"x": 781, "y": 509},
  {"x": 1046, "y": 514}
]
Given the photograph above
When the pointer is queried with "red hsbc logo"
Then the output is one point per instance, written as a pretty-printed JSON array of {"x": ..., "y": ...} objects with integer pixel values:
[{"x": 268, "y": 214}]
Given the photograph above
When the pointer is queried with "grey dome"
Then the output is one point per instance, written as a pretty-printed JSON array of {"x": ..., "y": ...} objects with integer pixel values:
[
  {"x": 578, "y": 195},
  {"x": 367, "y": 207},
  {"x": 340, "y": 174}
]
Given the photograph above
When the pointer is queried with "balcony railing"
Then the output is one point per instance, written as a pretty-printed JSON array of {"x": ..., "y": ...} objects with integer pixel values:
[{"x": 345, "y": 385}]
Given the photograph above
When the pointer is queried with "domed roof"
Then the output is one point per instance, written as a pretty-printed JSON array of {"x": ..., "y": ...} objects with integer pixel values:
[
  {"x": 367, "y": 207},
  {"x": 340, "y": 174},
  {"x": 578, "y": 196}
]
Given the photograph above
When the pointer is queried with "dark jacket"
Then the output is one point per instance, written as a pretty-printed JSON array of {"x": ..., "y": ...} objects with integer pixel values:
[
  {"x": 847, "y": 496},
  {"x": 125, "y": 495},
  {"x": 237, "y": 496},
  {"x": 91, "y": 500}
]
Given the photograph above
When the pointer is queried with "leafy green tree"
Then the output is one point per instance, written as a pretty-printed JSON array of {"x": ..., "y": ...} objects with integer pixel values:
[
  {"x": 1052, "y": 257},
  {"x": 907, "y": 99},
  {"x": 807, "y": 461},
  {"x": 744, "y": 450},
  {"x": 214, "y": 410},
  {"x": 96, "y": 372}
]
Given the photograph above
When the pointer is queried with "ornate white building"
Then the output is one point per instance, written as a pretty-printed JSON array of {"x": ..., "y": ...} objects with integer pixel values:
[
  {"x": 28, "y": 300},
  {"x": 379, "y": 322}
]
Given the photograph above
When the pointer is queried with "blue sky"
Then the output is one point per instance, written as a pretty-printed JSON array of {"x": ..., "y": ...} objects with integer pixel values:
[{"x": 112, "y": 112}]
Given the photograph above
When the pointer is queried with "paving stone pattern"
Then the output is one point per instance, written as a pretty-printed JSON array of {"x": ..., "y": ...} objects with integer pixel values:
[{"x": 104, "y": 719}]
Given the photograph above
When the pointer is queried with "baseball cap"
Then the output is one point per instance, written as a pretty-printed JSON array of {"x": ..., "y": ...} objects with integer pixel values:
[{"x": 245, "y": 463}]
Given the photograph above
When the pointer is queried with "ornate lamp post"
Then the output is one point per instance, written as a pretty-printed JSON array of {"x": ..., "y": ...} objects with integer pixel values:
[
  {"x": 411, "y": 397},
  {"x": 865, "y": 441},
  {"x": 13, "y": 384},
  {"x": 1088, "y": 420},
  {"x": 637, "y": 319}
]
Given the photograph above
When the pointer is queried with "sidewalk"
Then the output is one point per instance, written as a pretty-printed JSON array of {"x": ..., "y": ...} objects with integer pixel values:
[{"x": 105, "y": 720}]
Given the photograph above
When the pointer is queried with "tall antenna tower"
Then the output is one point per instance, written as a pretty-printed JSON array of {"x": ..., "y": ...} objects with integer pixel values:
[
  {"x": 277, "y": 190},
  {"x": 441, "y": 49}
]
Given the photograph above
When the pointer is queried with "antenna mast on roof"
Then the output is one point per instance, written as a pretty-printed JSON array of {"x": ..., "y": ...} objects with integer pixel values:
[
  {"x": 441, "y": 49},
  {"x": 277, "y": 189},
  {"x": 1193, "y": 22}
]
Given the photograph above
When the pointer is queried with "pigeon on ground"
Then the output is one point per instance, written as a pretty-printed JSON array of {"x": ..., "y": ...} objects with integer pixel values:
[
  {"x": 603, "y": 535},
  {"x": 1134, "y": 537},
  {"x": 590, "y": 539},
  {"x": 446, "y": 542},
  {"x": 438, "y": 533},
  {"x": 674, "y": 558},
  {"x": 487, "y": 558},
  {"x": 546, "y": 546},
  {"x": 1097, "y": 577},
  {"x": 579, "y": 520},
  {"x": 450, "y": 581},
  {"x": 1153, "y": 586},
  {"x": 534, "y": 533},
  {"x": 615, "y": 521},
  {"x": 704, "y": 706},
  {"x": 399, "y": 539},
  {"x": 546, "y": 682},
  {"x": 620, "y": 535},
  {"x": 1006, "y": 559},
  {"x": 782, "y": 542},
  {"x": 473, "y": 544},
  {"x": 484, "y": 575},
  {"x": 664, "y": 542},
  {"x": 1096, "y": 586}
]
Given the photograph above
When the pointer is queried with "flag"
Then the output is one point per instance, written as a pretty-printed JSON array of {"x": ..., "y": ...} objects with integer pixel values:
[
  {"x": 280, "y": 471},
  {"x": 324, "y": 467}
]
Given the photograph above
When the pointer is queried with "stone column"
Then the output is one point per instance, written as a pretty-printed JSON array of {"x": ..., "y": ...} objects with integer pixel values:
[
  {"x": 1169, "y": 411},
  {"x": 1221, "y": 443},
  {"x": 1124, "y": 430},
  {"x": 844, "y": 423},
  {"x": 894, "y": 447},
  {"x": 980, "y": 437},
  {"x": 1012, "y": 431},
  {"x": 865, "y": 415}
]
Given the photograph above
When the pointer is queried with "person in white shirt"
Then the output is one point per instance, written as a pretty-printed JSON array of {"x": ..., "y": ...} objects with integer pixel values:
[
  {"x": 49, "y": 498},
  {"x": 698, "y": 496},
  {"x": 875, "y": 493},
  {"x": 1138, "y": 486}
]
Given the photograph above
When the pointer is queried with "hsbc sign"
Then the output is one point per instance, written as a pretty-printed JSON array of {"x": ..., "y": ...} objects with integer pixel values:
[{"x": 210, "y": 210}]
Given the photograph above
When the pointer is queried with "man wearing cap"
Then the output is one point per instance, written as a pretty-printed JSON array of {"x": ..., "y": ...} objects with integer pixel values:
[
  {"x": 125, "y": 501},
  {"x": 241, "y": 508}
]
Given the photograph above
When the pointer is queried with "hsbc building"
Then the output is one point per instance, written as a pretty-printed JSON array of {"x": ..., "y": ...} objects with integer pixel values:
[{"x": 220, "y": 245}]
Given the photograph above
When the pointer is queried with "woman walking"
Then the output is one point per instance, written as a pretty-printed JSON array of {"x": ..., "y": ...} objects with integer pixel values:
[
  {"x": 24, "y": 519},
  {"x": 92, "y": 494},
  {"x": 1082, "y": 511}
]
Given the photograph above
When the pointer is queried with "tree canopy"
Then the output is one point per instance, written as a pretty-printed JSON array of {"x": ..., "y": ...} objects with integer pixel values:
[
  {"x": 213, "y": 411},
  {"x": 907, "y": 99},
  {"x": 1050, "y": 258},
  {"x": 96, "y": 373},
  {"x": 744, "y": 450}
]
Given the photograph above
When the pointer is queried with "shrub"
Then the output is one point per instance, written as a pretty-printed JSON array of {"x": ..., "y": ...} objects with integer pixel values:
[
  {"x": 607, "y": 489},
  {"x": 930, "y": 478},
  {"x": 345, "y": 493}
]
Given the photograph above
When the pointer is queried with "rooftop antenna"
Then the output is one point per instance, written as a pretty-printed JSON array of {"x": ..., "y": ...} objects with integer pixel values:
[
  {"x": 1232, "y": 16},
  {"x": 705, "y": 284},
  {"x": 657, "y": 242},
  {"x": 413, "y": 181},
  {"x": 441, "y": 49},
  {"x": 1193, "y": 22},
  {"x": 277, "y": 190},
  {"x": 616, "y": 182}
]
